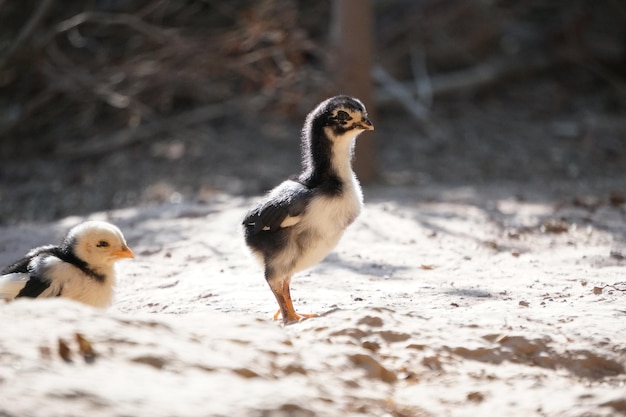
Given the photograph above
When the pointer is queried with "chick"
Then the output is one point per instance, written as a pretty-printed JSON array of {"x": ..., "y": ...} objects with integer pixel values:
[
  {"x": 81, "y": 268},
  {"x": 301, "y": 220}
]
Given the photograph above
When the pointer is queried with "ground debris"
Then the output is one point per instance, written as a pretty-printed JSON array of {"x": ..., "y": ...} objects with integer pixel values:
[
  {"x": 85, "y": 348},
  {"x": 475, "y": 396},
  {"x": 617, "y": 198},
  {"x": 555, "y": 226},
  {"x": 64, "y": 350}
]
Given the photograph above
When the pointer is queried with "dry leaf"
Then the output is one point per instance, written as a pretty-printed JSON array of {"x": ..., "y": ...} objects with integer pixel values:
[
  {"x": 475, "y": 397},
  {"x": 85, "y": 348},
  {"x": 64, "y": 351}
]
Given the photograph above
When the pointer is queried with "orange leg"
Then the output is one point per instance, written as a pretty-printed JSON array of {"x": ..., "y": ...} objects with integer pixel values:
[{"x": 283, "y": 296}]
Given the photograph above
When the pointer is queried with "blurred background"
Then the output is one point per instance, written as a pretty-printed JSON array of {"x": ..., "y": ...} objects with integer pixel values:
[{"x": 116, "y": 103}]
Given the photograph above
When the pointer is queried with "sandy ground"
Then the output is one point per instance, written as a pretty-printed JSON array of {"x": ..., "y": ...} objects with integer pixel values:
[{"x": 494, "y": 300}]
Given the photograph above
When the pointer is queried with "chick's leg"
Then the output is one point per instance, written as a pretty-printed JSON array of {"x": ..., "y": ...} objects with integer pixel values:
[{"x": 280, "y": 288}]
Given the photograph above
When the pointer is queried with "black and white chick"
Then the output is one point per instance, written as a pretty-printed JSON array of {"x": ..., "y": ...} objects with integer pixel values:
[
  {"x": 301, "y": 220},
  {"x": 81, "y": 268}
]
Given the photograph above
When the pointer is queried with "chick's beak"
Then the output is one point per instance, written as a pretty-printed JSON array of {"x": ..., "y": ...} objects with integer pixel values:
[
  {"x": 367, "y": 124},
  {"x": 124, "y": 253}
]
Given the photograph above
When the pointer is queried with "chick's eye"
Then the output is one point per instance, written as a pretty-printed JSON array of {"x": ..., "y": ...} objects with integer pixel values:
[
  {"x": 103, "y": 244},
  {"x": 342, "y": 116}
]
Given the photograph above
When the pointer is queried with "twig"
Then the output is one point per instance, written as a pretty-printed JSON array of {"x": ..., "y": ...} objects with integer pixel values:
[
  {"x": 259, "y": 54},
  {"x": 488, "y": 73},
  {"x": 30, "y": 108},
  {"x": 150, "y": 8},
  {"x": 618, "y": 286},
  {"x": 423, "y": 85},
  {"x": 74, "y": 80},
  {"x": 27, "y": 31},
  {"x": 476, "y": 77},
  {"x": 103, "y": 144},
  {"x": 153, "y": 32},
  {"x": 399, "y": 92}
]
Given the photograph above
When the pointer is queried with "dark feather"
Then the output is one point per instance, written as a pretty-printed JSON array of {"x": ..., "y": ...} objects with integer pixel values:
[
  {"x": 23, "y": 264},
  {"x": 34, "y": 287},
  {"x": 288, "y": 199},
  {"x": 64, "y": 252}
]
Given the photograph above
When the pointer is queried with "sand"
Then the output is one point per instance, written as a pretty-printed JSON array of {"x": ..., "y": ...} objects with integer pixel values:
[{"x": 490, "y": 300}]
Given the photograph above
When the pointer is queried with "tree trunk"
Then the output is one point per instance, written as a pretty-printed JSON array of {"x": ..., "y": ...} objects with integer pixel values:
[{"x": 351, "y": 35}]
